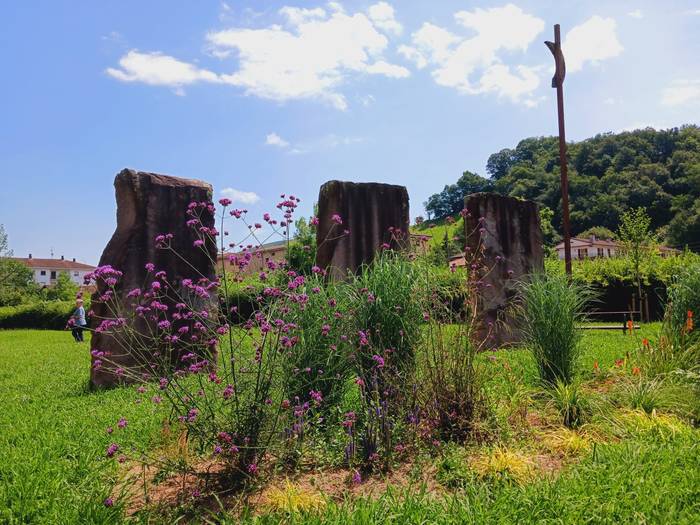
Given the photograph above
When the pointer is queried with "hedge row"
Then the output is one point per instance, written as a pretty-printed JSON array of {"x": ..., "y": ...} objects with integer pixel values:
[{"x": 49, "y": 315}]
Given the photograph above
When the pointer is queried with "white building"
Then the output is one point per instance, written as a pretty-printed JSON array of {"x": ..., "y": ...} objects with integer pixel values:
[
  {"x": 592, "y": 248},
  {"x": 46, "y": 271},
  {"x": 589, "y": 248}
]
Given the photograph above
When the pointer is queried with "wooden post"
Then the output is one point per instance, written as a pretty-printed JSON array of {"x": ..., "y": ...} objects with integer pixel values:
[{"x": 558, "y": 83}]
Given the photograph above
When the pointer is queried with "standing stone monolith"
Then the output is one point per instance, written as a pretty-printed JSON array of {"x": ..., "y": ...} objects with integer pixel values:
[
  {"x": 504, "y": 242},
  {"x": 372, "y": 215},
  {"x": 148, "y": 205}
]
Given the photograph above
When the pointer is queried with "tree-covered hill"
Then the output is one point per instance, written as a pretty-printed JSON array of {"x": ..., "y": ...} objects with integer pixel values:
[{"x": 609, "y": 174}]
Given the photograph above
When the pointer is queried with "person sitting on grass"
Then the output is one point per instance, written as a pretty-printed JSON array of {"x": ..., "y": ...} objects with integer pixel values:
[{"x": 78, "y": 318}]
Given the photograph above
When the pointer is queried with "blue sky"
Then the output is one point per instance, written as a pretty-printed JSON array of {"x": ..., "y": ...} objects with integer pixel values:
[{"x": 264, "y": 97}]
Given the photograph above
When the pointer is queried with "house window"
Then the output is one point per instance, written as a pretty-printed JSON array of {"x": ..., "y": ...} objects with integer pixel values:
[
  {"x": 75, "y": 274},
  {"x": 600, "y": 252},
  {"x": 53, "y": 274},
  {"x": 583, "y": 253},
  {"x": 609, "y": 253},
  {"x": 42, "y": 272}
]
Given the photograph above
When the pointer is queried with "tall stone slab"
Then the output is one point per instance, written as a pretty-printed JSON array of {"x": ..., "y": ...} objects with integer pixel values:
[
  {"x": 149, "y": 204},
  {"x": 504, "y": 240},
  {"x": 368, "y": 212}
]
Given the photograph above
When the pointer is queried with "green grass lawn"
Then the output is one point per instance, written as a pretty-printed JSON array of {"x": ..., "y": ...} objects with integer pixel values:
[
  {"x": 53, "y": 440},
  {"x": 53, "y": 431}
]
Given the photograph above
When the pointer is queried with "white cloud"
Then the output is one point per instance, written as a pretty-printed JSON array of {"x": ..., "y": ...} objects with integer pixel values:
[
  {"x": 474, "y": 65},
  {"x": 382, "y": 14},
  {"x": 681, "y": 92},
  {"x": 310, "y": 61},
  {"x": 381, "y": 67},
  {"x": 298, "y": 15},
  {"x": 593, "y": 41},
  {"x": 610, "y": 101},
  {"x": 157, "y": 69},
  {"x": 637, "y": 13},
  {"x": 325, "y": 142},
  {"x": 311, "y": 58},
  {"x": 273, "y": 139},
  {"x": 245, "y": 197},
  {"x": 413, "y": 55}
]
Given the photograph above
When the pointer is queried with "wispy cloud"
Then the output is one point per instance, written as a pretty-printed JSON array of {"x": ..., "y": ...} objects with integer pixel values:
[
  {"x": 273, "y": 139},
  {"x": 382, "y": 14},
  {"x": 681, "y": 92},
  {"x": 474, "y": 65},
  {"x": 591, "y": 42},
  {"x": 637, "y": 13},
  {"x": 244, "y": 197},
  {"x": 311, "y": 56},
  {"x": 302, "y": 147},
  {"x": 157, "y": 69}
]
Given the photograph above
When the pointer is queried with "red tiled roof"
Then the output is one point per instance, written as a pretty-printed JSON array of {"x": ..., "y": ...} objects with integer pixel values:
[{"x": 58, "y": 264}]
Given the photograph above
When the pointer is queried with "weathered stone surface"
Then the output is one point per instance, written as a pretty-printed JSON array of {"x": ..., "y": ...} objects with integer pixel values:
[
  {"x": 506, "y": 236},
  {"x": 368, "y": 210},
  {"x": 149, "y": 204}
]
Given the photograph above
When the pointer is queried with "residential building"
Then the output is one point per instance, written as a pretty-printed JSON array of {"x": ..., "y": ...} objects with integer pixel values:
[
  {"x": 592, "y": 248},
  {"x": 275, "y": 251},
  {"x": 46, "y": 271}
]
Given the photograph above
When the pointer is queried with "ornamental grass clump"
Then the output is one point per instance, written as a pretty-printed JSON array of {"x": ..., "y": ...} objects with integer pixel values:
[
  {"x": 224, "y": 384},
  {"x": 550, "y": 309},
  {"x": 319, "y": 361},
  {"x": 385, "y": 317},
  {"x": 451, "y": 395},
  {"x": 684, "y": 298}
]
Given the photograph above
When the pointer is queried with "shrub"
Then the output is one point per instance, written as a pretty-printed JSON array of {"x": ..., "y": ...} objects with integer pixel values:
[
  {"x": 49, "y": 315},
  {"x": 385, "y": 329},
  {"x": 319, "y": 360},
  {"x": 235, "y": 411},
  {"x": 684, "y": 296},
  {"x": 550, "y": 308},
  {"x": 386, "y": 312}
]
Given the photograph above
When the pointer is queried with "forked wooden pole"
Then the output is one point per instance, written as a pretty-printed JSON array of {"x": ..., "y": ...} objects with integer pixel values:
[{"x": 558, "y": 83}]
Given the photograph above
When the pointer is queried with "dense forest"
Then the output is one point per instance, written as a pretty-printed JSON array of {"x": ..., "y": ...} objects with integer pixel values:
[{"x": 608, "y": 175}]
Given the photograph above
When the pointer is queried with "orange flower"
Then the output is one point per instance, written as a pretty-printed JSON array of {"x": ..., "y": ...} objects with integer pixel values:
[
  {"x": 645, "y": 343},
  {"x": 630, "y": 325},
  {"x": 595, "y": 366},
  {"x": 619, "y": 362},
  {"x": 635, "y": 371},
  {"x": 689, "y": 322}
]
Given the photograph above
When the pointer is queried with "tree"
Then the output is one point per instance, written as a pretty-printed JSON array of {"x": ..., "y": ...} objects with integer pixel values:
[
  {"x": 16, "y": 279},
  {"x": 63, "y": 290},
  {"x": 599, "y": 232},
  {"x": 609, "y": 174},
  {"x": 450, "y": 200},
  {"x": 550, "y": 237},
  {"x": 301, "y": 254},
  {"x": 637, "y": 240}
]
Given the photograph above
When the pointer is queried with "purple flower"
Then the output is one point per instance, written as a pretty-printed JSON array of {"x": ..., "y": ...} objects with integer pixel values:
[
  {"x": 150, "y": 267},
  {"x": 228, "y": 391},
  {"x": 198, "y": 243},
  {"x": 337, "y": 218},
  {"x": 316, "y": 396},
  {"x": 108, "y": 502},
  {"x": 112, "y": 449},
  {"x": 379, "y": 360},
  {"x": 225, "y": 202},
  {"x": 122, "y": 422}
]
